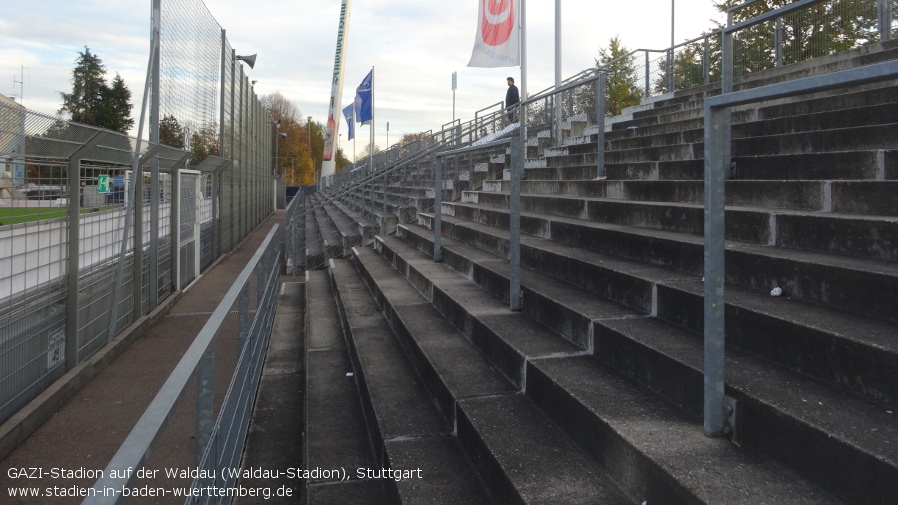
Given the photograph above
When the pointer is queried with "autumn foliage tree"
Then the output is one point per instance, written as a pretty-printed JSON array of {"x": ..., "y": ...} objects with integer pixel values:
[{"x": 299, "y": 153}]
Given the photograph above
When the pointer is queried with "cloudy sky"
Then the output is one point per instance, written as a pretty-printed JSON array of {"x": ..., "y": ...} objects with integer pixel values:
[{"x": 413, "y": 45}]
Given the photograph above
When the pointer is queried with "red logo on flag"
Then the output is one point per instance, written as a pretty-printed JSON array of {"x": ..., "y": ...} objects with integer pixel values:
[{"x": 498, "y": 21}]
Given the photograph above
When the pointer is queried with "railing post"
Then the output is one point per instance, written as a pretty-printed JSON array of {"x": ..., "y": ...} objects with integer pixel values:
[
  {"x": 714, "y": 358},
  {"x": 515, "y": 296},
  {"x": 599, "y": 90},
  {"x": 706, "y": 60},
  {"x": 385, "y": 230},
  {"x": 884, "y": 11},
  {"x": 671, "y": 81},
  {"x": 647, "y": 72},
  {"x": 205, "y": 394},
  {"x": 437, "y": 209},
  {"x": 778, "y": 42},
  {"x": 243, "y": 316}
]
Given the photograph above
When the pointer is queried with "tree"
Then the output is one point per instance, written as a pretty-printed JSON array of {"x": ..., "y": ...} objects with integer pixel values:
[
  {"x": 170, "y": 132},
  {"x": 622, "y": 82},
  {"x": 92, "y": 101},
  {"x": 116, "y": 106},
  {"x": 203, "y": 143},
  {"x": 623, "y": 88},
  {"x": 819, "y": 30},
  {"x": 280, "y": 109}
]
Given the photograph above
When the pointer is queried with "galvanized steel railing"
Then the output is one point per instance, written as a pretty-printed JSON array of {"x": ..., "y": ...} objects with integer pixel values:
[{"x": 219, "y": 439}]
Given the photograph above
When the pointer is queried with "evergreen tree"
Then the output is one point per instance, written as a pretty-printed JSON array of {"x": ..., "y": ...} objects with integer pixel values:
[
  {"x": 88, "y": 83},
  {"x": 116, "y": 107},
  {"x": 92, "y": 101},
  {"x": 170, "y": 132},
  {"x": 622, "y": 89}
]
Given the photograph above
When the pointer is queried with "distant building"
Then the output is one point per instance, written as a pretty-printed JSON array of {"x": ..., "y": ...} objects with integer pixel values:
[{"x": 12, "y": 141}]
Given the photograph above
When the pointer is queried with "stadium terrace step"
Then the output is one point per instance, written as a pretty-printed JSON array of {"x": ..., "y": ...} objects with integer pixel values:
[
  {"x": 860, "y": 286},
  {"x": 649, "y": 471},
  {"x": 668, "y": 361},
  {"x": 315, "y": 256},
  {"x": 676, "y": 210},
  {"x": 601, "y": 370},
  {"x": 331, "y": 240},
  {"x": 335, "y": 433},
  {"x": 518, "y": 453},
  {"x": 672, "y": 296},
  {"x": 350, "y": 235},
  {"x": 407, "y": 430}
]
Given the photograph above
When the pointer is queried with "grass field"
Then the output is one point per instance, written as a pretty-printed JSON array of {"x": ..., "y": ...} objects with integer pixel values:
[{"x": 18, "y": 215}]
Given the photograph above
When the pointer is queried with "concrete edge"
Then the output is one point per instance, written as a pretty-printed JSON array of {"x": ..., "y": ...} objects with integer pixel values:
[{"x": 28, "y": 419}]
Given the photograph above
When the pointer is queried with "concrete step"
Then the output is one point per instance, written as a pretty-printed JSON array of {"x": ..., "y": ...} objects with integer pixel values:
[
  {"x": 520, "y": 456},
  {"x": 330, "y": 237},
  {"x": 832, "y": 281},
  {"x": 668, "y": 362},
  {"x": 506, "y": 338},
  {"x": 409, "y": 434},
  {"x": 335, "y": 432},
  {"x": 315, "y": 256},
  {"x": 795, "y": 195},
  {"x": 865, "y": 237},
  {"x": 646, "y": 473},
  {"x": 350, "y": 236},
  {"x": 365, "y": 227},
  {"x": 871, "y": 165},
  {"x": 773, "y": 328}
]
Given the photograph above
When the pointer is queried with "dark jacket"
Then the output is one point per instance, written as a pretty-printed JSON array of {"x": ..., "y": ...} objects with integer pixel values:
[{"x": 511, "y": 96}]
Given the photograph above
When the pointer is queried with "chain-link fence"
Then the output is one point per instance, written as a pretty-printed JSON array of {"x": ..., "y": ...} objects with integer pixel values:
[{"x": 73, "y": 198}]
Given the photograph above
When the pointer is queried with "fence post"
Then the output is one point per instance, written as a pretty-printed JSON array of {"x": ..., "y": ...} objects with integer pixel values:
[
  {"x": 137, "y": 273},
  {"x": 884, "y": 11},
  {"x": 599, "y": 90},
  {"x": 175, "y": 223},
  {"x": 155, "y": 200},
  {"x": 74, "y": 239},
  {"x": 515, "y": 297},
  {"x": 437, "y": 209}
]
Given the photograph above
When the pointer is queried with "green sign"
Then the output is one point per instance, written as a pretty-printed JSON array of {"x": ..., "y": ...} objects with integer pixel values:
[{"x": 103, "y": 184}]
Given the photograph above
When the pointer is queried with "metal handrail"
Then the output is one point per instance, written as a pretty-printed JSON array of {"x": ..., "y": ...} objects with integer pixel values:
[{"x": 133, "y": 452}]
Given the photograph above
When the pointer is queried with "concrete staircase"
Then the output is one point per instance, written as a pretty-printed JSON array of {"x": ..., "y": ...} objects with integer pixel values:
[{"x": 593, "y": 392}]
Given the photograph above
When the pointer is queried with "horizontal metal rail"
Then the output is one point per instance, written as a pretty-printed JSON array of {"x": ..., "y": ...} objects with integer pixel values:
[
  {"x": 137, "y": 446},
  {"x": 717, "y": 167}
]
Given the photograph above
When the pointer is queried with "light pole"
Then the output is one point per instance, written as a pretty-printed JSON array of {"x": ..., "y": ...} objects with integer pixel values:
[
  {"x": 274, "y": 126},
  {"x": 309, "y": 132}
]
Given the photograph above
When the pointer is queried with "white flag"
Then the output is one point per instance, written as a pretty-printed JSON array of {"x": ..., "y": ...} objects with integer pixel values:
[{"x": 498, "y": 40}]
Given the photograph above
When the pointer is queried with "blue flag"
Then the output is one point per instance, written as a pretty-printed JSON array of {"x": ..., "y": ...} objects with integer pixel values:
[
  {"x": 364, "y": 98},
  {"x": 350, "y": 121}
]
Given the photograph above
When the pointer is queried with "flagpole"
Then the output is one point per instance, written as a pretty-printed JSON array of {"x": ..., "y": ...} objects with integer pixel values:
[
  {"x": 371, "y": 145},
  {"x": 524, "y": 67},
  {"x": 328, "y": 157}
]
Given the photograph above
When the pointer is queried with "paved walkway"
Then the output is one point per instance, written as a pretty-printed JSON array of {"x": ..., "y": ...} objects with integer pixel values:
[{"x": 84, "y": 433}]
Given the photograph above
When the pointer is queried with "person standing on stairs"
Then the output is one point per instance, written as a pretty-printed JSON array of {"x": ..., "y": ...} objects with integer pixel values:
[{"x": 512, "y": 98}]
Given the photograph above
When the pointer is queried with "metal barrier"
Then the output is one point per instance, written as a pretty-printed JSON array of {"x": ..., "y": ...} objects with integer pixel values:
[
  {"x": 87, "y": 247},
  {"x": 219, "y": 442},
  {"x": 717, "y": 409}
]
